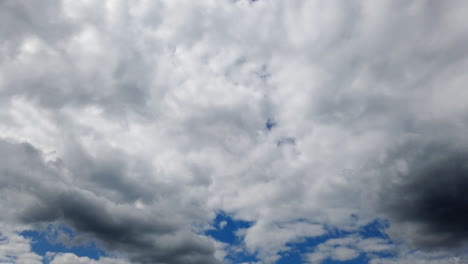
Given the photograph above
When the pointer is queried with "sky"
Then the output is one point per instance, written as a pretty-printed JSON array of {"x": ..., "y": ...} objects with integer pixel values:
[{"x": 233, "y": 132}]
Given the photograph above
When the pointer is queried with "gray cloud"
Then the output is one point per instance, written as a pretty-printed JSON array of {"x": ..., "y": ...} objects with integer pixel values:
[
  {"x": 24, "y": 19},
  {"x": 153, "y": 114},
  {"x": 146, "y": 236},
  {"x": 428, "y": 191}
]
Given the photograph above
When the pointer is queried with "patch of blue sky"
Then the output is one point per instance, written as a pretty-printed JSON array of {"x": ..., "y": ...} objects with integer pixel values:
[
  {"x": 225, "y": 231},
  {"x": 227, "y": 227},
  {"x": 374, "y": 229},
  {"x": 270, "y": 124},
  {"x": 44, "y": 241}
]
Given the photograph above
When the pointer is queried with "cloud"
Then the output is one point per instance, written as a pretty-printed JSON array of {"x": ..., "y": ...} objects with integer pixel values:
[
  {"x": 427, "y": 192},
  {"x": 348, "y": 248},
  {"x": 134, "y": 121},
  {"x": 222, "y": 224},
  {"x": 118, "y": 227},
  {"x": 16, "y": 249},
  {"x": 69, "y": 258},
  {"x": 421, "y": 257},
  {"x": 23, "y": 19},
  {"x": 268, "y": 239}
]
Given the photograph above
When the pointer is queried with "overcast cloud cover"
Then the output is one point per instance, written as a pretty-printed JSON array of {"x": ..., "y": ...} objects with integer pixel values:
[{"x": 134, "y": 122}]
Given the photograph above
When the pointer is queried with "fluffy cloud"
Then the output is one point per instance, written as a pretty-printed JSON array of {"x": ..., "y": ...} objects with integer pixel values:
[
  {"x": 16, "y": 249},
  {"x": 53, "y": 197},
  {"x": 68, "y": 258},
  {"x": 269, "y": 239},
  {"x": 348, "y": 248},
  {"x": 134, "y": 121}
]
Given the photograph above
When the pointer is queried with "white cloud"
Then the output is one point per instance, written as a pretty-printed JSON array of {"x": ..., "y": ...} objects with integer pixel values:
[
  {"x": 222, "y": 224},
  {"x": 268, "y": 239},
  {"x": 69, "y": 258},
  {"x": 349, "y": 248},
  {"x": 16, "y": 249},
  {"x": 344, "y": 253}
]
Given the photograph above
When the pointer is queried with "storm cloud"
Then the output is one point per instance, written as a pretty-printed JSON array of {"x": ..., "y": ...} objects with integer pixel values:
[
  {"x": 42, "y": 196},
  {"x": 429, "y": 192}
]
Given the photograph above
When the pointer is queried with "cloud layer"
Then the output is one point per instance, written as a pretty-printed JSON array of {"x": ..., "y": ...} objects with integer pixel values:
[{"x": 133, "y": 122}]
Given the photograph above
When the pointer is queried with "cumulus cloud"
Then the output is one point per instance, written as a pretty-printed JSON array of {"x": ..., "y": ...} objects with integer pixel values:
[
  {"x": 69, "y": 258},
  {"x": 133, "y": 122},
  {"x": 348, "y": 248},
  {"x": 269, "y": 239},
  {"x": 51, "y": 197},
  {"x": 16, "y": 249}
]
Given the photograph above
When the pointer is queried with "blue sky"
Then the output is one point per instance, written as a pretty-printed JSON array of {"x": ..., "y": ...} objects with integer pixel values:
[
  {"x": 225, "y": 229},
  {"x": 47, "y": 241}
]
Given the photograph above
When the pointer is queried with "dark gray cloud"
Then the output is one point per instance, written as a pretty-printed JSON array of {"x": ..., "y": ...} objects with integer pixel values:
[
  {"x": 428, "y": 191},
  {"x": 139, "y": 234},
  {"x": 145, "y": 235}
]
